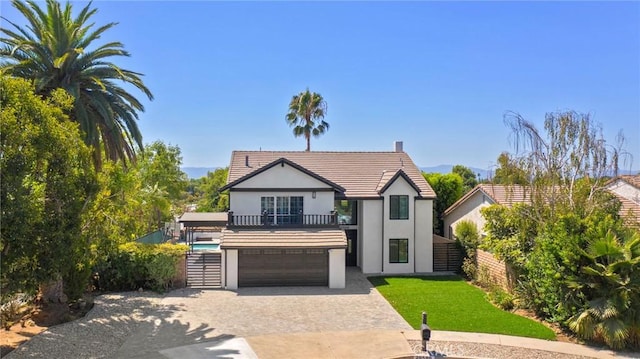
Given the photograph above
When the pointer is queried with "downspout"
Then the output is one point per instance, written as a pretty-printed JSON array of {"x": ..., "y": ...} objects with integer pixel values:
[
  {"x": 225, "y": 268},
  {"x": 415, "y": 220},
  {"x": 382, "y": 245}
]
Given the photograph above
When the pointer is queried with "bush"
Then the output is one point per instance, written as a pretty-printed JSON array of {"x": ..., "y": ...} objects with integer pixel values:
[
  {"x": 466, "y": 234},
  {"x": 501, "y": 298},
  {"x": 137, "y": 265}
]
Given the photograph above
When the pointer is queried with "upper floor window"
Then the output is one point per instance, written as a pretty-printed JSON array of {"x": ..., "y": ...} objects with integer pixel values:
[
  {"x": 347, "y": 211},
  {"x": 282, "y": 209},
  {"x": 399, "y": 207}
]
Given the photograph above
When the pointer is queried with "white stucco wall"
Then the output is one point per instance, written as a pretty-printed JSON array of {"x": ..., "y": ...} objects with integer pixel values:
[
  {"x": 424, "y": 236},
  {"x": 249, "y": 202},
  {"x": 231, "y": 268},
  {"x": 399, "y": 228},
  {"x": 469, "y": 210},
  {"x": 623, "y": 189},
  {"x": 337, "y": 279},
  {"x": 282, "y": 177},
  {"x": 371, "y": 232}
]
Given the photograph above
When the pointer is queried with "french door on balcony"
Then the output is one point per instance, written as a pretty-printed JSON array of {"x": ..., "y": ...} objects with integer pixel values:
[{"x": 282, "y": 209}]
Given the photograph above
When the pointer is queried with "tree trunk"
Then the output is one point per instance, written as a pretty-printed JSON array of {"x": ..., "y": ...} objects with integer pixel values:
[{"x": 53, "y": 291}]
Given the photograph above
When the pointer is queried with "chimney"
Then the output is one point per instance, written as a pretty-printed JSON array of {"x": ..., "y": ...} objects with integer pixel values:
[
  {"x": 397, "y": 146},
  {"x": 246, "y": 161}
]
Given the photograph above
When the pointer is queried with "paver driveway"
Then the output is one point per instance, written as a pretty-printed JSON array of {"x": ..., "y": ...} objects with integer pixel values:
[{"x": 258, "y": 311}]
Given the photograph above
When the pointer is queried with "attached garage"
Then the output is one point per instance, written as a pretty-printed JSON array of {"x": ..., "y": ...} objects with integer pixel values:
[
  {"x": 258, "y": 258},
  {"x": 283, "y": 267}
]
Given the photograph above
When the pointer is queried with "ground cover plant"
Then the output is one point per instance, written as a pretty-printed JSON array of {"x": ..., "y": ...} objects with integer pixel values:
[{"x": 453, "y": 304}]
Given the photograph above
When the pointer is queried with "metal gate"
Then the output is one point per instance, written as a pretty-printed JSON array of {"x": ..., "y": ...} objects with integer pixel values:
[{"x": 203, "y": 270}]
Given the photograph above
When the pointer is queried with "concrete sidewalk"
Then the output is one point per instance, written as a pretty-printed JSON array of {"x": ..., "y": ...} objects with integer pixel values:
[
  {"x": 521, "y": 342},
  {"x": 364, "y": 344}
]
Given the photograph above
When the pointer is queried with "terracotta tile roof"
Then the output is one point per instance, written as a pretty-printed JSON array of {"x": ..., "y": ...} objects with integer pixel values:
[
  {"x": 506, "y": 195},
  {"x": 629, "y": 208},
  {"x": 633, "y": 180},
  {"x": 359, "y": 173},
  {"x": 294, "y": 238}
]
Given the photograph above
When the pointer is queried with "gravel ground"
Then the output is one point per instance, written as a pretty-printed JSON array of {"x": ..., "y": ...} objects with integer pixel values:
[
  {"x": 99, "y": 334},
  {"x": 476, "y": 350}
]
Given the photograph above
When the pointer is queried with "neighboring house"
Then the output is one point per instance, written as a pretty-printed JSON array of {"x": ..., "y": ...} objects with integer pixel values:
[
  {"x": 468, "y": 207},
  {"x": 627, "y": 190},
  {"x": 298, "y": 218}
]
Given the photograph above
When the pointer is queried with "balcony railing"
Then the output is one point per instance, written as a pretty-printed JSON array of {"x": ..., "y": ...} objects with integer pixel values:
[{"x": 288, "y": 220}]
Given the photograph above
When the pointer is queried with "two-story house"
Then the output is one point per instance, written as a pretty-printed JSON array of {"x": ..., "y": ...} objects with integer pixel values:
[{"x": 298, "y": 218}]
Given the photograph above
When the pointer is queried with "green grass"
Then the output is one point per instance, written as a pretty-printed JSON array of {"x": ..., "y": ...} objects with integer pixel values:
[{"x": 452, "y": 304}]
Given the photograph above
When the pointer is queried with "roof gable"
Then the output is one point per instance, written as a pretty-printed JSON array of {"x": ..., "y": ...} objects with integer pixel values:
[
  {"x": 386, "y": 182},
  {"x": 506, "y": 195},
  {"x": 282, "y": 162}
]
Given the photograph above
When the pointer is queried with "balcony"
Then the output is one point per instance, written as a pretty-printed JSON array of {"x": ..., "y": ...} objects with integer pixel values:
[{"x": 282, "y": 221}]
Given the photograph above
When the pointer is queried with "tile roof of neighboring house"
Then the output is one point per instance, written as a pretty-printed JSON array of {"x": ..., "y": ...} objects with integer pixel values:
[
  {"x": 283, "y": 238},
  {"x": 630, "y": 204},
  {"x": 505, "y": 195},
  {"x": 359, "y": 173},
  {"x": 631, "y": 208},
  {"x": 633, "y": 180}
]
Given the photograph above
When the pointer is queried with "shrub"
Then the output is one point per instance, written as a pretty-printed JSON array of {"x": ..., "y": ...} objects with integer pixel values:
[
  {"x": 466, "y": 234},
  {"x": 501, "y": 298},
  {"x": 137, "y": 265}
]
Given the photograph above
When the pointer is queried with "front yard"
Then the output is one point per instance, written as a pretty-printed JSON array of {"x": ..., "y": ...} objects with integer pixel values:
[{"x": 452, "y": 304}]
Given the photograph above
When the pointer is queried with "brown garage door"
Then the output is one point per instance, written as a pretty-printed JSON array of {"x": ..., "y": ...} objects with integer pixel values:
[{"x": 280, "y": 267}]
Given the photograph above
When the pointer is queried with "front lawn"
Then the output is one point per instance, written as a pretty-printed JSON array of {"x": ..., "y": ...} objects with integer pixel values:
[{"x": 452, "y": 304}]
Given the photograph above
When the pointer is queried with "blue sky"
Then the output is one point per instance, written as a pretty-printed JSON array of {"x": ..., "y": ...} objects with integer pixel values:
[{"x": 437, "y": 75}]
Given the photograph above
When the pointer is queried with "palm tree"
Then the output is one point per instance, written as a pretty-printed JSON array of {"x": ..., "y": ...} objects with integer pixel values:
[
  {"x": 55, "y": 51},
  {"x": 306, "y": 113},
  {"x": 611, "y": 288}
]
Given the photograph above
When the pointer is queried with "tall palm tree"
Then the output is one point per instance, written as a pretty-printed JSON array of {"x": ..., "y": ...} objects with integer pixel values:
[
  {"x": 306, "y": 113},
  {"x": 55, "y": 51}
]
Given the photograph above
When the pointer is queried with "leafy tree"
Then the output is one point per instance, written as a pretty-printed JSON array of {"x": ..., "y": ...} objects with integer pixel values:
[
  {"x": 46, "y": 182},
  {"x": 509, "y": 172},
  {"x": 160, "y": 165},
  {"x": 566, "y": 164},
  {"x": 212, "y": 199},
  {"x": 468, "y": 177},
  {"x": 57, "y": 51},
  {"x": 306, "y": 115},
  {"x": 448, "y": 188}
]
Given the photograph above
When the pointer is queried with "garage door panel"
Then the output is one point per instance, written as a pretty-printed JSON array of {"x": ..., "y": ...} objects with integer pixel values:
[{"x": 281, "y": 267}]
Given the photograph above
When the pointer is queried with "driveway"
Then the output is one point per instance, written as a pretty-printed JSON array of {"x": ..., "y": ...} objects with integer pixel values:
[{"x": 144, "y": 325}]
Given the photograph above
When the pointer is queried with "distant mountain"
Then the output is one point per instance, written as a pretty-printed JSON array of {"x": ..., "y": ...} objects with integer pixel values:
[
  {"x": 448, "y": 168},
  {"x": 197, "y": 172}
]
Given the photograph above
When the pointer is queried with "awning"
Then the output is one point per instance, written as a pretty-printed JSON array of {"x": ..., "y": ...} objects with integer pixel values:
[{"x": 293, "y": 238}]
